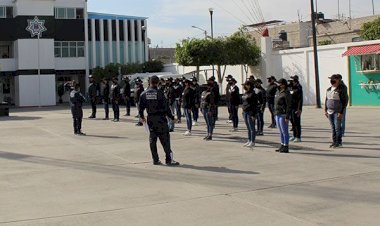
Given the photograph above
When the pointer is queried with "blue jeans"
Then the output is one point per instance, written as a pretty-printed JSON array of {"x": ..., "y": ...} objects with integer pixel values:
[
  {"x": 189, "y": 119},
  {"x": 283, "y": 126},
  {"x": 260, "y": 121},
  {"x": 336, "y": 128},
  {"x": 210, "y": 121},
  {"x": 250, "y": 126},
  {"x": 196, "y": 113}
]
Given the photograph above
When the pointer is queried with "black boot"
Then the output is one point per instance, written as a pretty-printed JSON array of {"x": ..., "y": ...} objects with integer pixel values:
[
  {"x": 280, "y": 149},
  {"x": 285, "y": 149}
]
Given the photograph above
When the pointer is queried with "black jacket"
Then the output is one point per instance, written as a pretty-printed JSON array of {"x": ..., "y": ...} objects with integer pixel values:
[
  {"x": 262, "y": 98},
  {"x": 170, "y": 93},
  {"x": 197, "y": 95},
  {"x": 115, "y": 93},
  {"x": 139, "y": 89},
  {"x": 155, "y": 103},
  {"x": 127, "y": 89},
  {"x": 208, "y": 100},
  {"x": 297, "y": 98},
  {"x": 271, "y": 93},
  {"x": 341, "y": 103},
  {"x": 106, "y": 93},
  {"x": 216, "y": 92},
  {"x": 282, "y": 103},
  {"x": 188, "y": 98},
  {"x": 235, "y": 96},
  {"x": 250, "y": 103}
]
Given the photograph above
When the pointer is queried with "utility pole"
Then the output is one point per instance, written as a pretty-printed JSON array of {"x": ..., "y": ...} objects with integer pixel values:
[
  {"x": 338, "y": 9},
  {"x": 316, "y": 63},
  {"x": 373, "y": 7},
  {"x": 211, "y": 10}
]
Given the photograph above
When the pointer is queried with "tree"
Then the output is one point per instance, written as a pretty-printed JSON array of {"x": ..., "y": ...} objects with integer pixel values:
[
  {"x": 371, "y": 30},
  {"x": 153, "y": 66}
]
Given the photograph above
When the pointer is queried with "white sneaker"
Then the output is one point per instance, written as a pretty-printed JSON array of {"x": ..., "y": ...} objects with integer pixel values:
[
  {"x": 234, "y": 130},
  {"x": 188, "y": 133},
  {"x": 297, "y": 140},
  {"x": 251, "y": 145},
  {"x": 246, "y": 144},
  {"x": 195, "y": 124},
  {"x": 229, "y": 121},
  {"x": 292, "y": 139}
]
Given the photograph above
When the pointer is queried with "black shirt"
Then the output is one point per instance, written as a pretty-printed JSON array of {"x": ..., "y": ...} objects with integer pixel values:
[
  {"x": 283, "y": 100},
  {"x": 155, "y": 103},
  {"x": 250, "y": 103},
  {"x": 271, "y": 93},
  {"x": 188, "y": 98},
  {"x": 235, "y": 96}
]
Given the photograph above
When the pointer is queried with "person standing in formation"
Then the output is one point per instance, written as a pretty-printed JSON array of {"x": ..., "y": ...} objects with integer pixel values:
[
  {"x": 250, "y": 111},
  {"x": 228, "y": 96},
  {"x": 234, "y": 102},
  {"x": 178, "y": 89},
  {"x": 262, "y": 101},
  {"x": 116, "y": 97},
  {"x": 188, "y": 101},
  {"x": 93, "y": 93},
  {"x": 197, "y": 100},
  {"x": 296, "y": 108},
  {"x": 208, "y": 107},
  {"x": 139, "y": 89},
  {"x": 216, "y": 91},
  {"x": 76, "y": 103},
  {"x": 336, "y": 104},
  {"x": 127, "y": 95},
  {"x": 154, "y": 102},
  {"x": 282, "y": 104},
  {"x": 106, "y": 97},
  {"x": 271, "y": 93},
  {"x": 170, "y": 95}
]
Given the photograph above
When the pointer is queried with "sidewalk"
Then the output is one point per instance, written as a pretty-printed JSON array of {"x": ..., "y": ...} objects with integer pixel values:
[{"x": 50, "y": 177}]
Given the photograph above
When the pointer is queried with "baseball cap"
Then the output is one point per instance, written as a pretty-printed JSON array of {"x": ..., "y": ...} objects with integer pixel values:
[
  {"x": 272, "y": 78},
  {"x": 335, "y": 76},
  {"x": 282, "y": 82},
  {"x": 295, "y": 78}
]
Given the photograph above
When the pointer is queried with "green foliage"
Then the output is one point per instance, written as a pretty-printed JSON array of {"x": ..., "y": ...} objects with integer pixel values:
[
  {"x": 371, "y": 30},
  {"x": 325, "y": 42},
  {"x": 112, "y": 70}
]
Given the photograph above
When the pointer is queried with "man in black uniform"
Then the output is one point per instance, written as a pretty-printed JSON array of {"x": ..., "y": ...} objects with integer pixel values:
[
  {"x": 154, "y": 101},
  {"x": 216, "y": 92},
  {"x": 92, "y": 93},
  {"x": 178, "y": 88},
  {"x": 106, "y": 97},
  {"x": 197, "y": 100},
  {"x": 296, "y": 108},
  {"x": 127, "y": 95},
  {"x": 116, "y": 97},
  {"x": 228, "y": 96},
  {"x": 271, "y": 93},
  {"x": 76, "y": 103},
  {"x": 139, "y": 89}
]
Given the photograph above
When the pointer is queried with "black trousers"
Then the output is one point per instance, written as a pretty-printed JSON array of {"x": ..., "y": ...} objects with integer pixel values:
[
  {"x": 77, "y": 114},
  {"x": 271, "y": 110},
  {"x": 116, "y": 110},
  {"x": 229, "y": 111},
  {"x": 159, "y": 130},
  {"x": 93, "y": 106},
  {"x": 296, "y": 124},
  {"x": 106, "y": 109},
  {"x": 235, "y": 115}
]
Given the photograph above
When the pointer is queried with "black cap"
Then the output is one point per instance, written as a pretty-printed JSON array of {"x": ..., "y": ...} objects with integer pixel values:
[
  {"x": 272, "y": 78},
  {"x": 259, "y": 81},
  {"x": 194, "y": 79},
  {"x": 295, "y": 78},
  {"x": 229, "y": 77},
  {"x": 212, "y": 78},
  {"x": 252, "y": 77},
  {"x": 282, "y": 82},
  {"x": 335, "y": 76},
  {"x": 248, "y": 83}
]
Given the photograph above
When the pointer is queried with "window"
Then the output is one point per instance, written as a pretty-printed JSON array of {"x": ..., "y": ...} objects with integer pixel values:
[
  {"x": 80, "y": 13},
  {"x": 69, "y": 49},
  {"x": 65, "y": 49},
  {"x": 6, "y": 12},
  {"x": 69, "y": 13}
]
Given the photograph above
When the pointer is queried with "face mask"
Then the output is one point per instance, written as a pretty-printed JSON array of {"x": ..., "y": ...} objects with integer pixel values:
[{"x": 333, "y": 82}]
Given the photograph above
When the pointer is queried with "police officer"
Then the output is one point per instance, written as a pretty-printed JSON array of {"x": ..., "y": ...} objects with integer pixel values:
[
  {"x": 262, "y": 100},
  {"x": 170, "y": 95},
  {"x": 228, "y": 96},
  {"x": 106, "y": 97},
  {"x": 127, "y": 95},
  {"x": 178, "y": 98},
  {"x": 197, "y": 100},
  {"x": 92, "y": 93},
  {"x": 271, "y": 93},
  {"x": 296, "y": 107},
  {"x": 76, "y": 103},
  {"x": 116, "y": 97},
  {"x": 153, "y": 100}
]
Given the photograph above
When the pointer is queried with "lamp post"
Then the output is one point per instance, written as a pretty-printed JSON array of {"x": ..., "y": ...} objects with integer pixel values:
[
  {"x": 204, "y": 31},
  {"x": 211, "y": 10},
  {"x": 316, "y": 63},
  {"x": 373, "y": 7}
]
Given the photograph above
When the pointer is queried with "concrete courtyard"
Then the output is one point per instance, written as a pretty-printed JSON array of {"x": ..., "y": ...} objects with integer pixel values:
[{"x": 50, "y": 177}]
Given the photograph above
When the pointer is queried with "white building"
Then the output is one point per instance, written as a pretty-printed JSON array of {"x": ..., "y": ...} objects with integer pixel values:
[{"x": 46, "y": 42}]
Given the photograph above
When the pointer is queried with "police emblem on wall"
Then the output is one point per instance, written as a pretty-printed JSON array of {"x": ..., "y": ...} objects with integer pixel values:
[{"x": 36, "y": 27}]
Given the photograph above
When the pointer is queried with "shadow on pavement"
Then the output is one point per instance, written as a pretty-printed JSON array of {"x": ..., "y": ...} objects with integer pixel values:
[
  {"x": 338, "y": 155},
  {"x": 19, "y": 118},
  {"x": 217, "y": 169},
  {"x": 106, "y": 137}
]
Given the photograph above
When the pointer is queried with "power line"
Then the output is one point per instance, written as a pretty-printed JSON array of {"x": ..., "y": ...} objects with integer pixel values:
[
  {"x": 242, "y": 10},
  {"x": 233, "y": 15}
]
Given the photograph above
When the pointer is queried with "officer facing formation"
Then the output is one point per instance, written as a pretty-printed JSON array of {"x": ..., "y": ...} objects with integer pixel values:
[
  {"x": 76, "y": 103},
  {"x": 127, "y": 95},
  {"x": 106, "y": 97},
  {"x": 92, "y": 94},
  {"x": 116, "y": 97},
  {"x": 154, "y": 102}
]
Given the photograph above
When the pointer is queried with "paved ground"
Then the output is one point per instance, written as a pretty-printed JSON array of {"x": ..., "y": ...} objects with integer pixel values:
[{"x": 50, "y": 177}]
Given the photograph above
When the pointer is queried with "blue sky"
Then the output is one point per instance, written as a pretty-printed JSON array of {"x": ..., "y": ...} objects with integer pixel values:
[{"x": 170, "y": 20}]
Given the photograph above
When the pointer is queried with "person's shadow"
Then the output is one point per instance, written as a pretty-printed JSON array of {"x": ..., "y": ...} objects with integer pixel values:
[{"x": 217, "y": 169}]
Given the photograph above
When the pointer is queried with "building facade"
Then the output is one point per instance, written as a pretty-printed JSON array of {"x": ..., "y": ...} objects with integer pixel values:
[{"x": 44, "y": 43}]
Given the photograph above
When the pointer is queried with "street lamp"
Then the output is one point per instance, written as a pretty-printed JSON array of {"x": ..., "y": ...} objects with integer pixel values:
[
  {"x": 201, "y": 30},
  {"x": 211, "y": 10}
]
